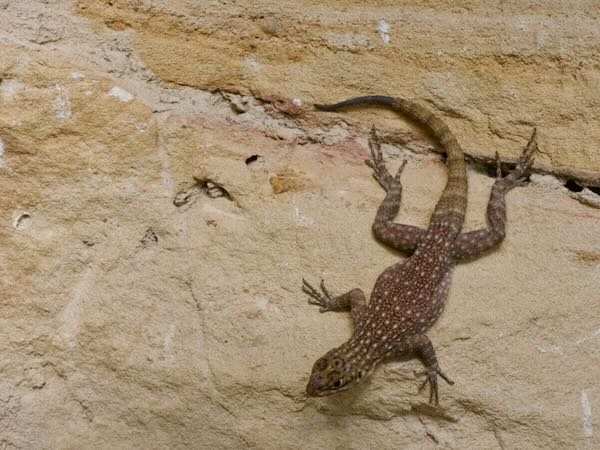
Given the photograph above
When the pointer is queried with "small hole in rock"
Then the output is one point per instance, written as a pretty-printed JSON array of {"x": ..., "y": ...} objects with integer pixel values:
[
  {"x": 22, "y": 221},
  {"x": 573, "y": 186},
  {"x": 251, "y": 159},
  {"x": 149, "y": 237}
]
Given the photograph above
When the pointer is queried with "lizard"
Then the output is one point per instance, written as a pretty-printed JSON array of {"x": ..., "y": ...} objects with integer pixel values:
[{"x": 409, "y": 296}]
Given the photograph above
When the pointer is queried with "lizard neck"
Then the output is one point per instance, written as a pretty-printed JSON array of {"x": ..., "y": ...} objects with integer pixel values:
[{"x": 367, "y": 346}]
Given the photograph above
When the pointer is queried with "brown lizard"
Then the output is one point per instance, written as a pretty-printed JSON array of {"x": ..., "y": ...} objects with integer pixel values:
[{"x": 409, "y": 296}]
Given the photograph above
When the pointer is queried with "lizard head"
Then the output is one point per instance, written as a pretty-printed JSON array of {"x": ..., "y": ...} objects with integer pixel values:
[{"x": 333, "y": 373}]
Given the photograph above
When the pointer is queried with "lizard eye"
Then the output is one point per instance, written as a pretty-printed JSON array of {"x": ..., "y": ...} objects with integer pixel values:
[
  {"x": 360, "y": 374},
  {"x": 337, "y": 384}
]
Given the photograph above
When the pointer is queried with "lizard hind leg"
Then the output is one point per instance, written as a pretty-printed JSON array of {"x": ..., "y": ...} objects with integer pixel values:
[
  {"x": 380, "y": 171},
  {"x": 474, "y": 243},
  {"x": 397, "y": 235}
]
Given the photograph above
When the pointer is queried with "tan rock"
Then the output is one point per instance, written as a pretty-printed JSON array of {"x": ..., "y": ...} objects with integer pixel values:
[
  {"x": 154, "y": 232},
  {"x": 494, "y": 71}
]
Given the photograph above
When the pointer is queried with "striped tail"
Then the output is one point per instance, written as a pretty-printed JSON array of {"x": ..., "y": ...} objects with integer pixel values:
[{"x": 450, "y": 210}]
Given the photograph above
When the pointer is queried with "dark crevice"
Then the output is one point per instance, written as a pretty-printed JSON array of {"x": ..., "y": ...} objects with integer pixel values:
[
  {"x": 485, "y": 166},
  {"x": 594, "y": 189},
  {"x": 573, "y": 186},
  {"x": 489, "y": 170},
  {"x": 589, "y": 195},
  {"x": 488, "y": 166}
]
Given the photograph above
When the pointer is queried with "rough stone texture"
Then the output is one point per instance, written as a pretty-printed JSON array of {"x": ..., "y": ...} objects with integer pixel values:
[{"x": 165, "y": 185}]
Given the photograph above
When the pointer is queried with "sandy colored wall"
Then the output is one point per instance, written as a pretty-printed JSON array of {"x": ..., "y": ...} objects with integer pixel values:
[{"x": 165, "y": 184}]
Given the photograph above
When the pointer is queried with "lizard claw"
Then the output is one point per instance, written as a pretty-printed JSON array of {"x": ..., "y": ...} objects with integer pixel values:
[
  {"x": 317, "y": 298},
  {"x": 400, "y": 169},
  {"x": 431, "y": 378},
  {"x": 518, "y": 177},
  {"x": 380, "y": 172}
]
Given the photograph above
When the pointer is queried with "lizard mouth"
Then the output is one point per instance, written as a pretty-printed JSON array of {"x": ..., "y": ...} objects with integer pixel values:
[
  {"x": 316, "y": 389},
  {"x": 316, "y": 393},
  {"x": 312, "y": 389}
]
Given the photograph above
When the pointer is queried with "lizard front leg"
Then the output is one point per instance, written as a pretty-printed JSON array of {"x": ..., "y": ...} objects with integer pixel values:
[
  {"x": 399, "y": 236},
  {"x": 474, "y": 243},
  {"x": 353, "y": 300},
  {"x": 422, "y": 345}
]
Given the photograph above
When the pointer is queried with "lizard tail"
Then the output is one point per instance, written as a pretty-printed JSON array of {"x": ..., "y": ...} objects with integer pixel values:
[{"x": 450, "y": 210}]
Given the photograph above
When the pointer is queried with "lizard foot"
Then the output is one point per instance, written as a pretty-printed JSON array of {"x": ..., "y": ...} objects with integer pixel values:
[
  {"x": 380, "y": 172},
  {"x": 431, "y": 378},
  {"x": 518, "y": 177},
  {"x": 324, "y": 299}
]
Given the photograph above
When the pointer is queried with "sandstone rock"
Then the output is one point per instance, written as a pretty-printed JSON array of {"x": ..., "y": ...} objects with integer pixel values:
[{"x": 166, "y": 185}]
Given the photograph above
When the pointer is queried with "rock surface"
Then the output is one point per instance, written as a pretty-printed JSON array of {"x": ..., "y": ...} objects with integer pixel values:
[{"x": 166, "y": 185}]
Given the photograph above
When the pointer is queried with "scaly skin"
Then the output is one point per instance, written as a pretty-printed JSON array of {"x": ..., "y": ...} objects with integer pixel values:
[{"x": 409, "y": 296}]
